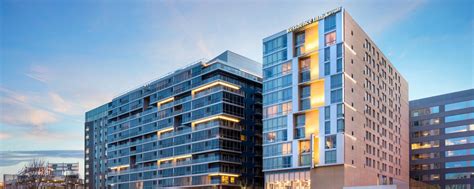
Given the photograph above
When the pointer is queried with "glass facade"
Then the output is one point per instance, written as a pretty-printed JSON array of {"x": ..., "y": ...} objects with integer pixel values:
[
  {"x": 197, "y": 127},
  {"x": 449, "y": 119}
]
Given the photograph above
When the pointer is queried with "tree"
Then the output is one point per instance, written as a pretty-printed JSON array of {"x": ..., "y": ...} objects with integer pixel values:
[{"x": 34, "y": 174}]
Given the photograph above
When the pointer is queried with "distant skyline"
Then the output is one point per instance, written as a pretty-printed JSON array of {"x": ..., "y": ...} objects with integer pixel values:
[
  {"x": 12, "y": 161},
  {"x": 59, "y": 59}
]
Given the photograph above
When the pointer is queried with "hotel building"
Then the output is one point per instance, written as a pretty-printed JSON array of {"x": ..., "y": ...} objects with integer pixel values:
[
  {"x": 335, "y": 110},
  {"x": 197, "y": 127},
  {"x": 442, "y": 140}
]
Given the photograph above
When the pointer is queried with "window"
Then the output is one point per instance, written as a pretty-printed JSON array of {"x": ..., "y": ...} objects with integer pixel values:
[
  {"x": 305, "y": 64},
  {"x": 340, "y": 110},
  {"x": 425, "y": 133},
  {"x": 330, "y": 38},
  {"x": 431, "y": 177},
  {"x": 339, "y": 50},
  {"x": 420, "y": 167},
  {"x": 277, "y": 149},
  {"x": 277, "y": 83},
  {"x": 339, "y": 65},
  {"x": 340, "y": 125},
  {"x": 330, "y": 142},
  {"x": 463, "y": 152},
  {"x": 457, "y": 164},
  {"x": 336, "y": 81},
  {"x": 278, "y": 70},
  {"x": 286, "y": 68},
  {"x": 459, "y": 129},
  {"x": 425, "y": 156},
  {"x": 327, "y": 112},
  {"x": 327, "y": 68},
  {"x": 277, "y": 96},
  {"x": 336, "y": 96},
  {"x": 277, "y": 162},
  {"x": 277, "y": 110},
  {"x": 274, "y": 44},
  {"x": 330, "y": 156},
  {"x": 423, "y": 145},
  {"x": 327, "y": 127},
  {"x": 457, "y": 186},
  {"x": 299, "y": 38},
  {"x": 274, "y": 58},
  {"x": 300, "y": 120},
  {"x": 425, "y": 111},
  {"x": 327, "y": 54},
  {"x": 305, "y": 146},
  {"x": 330, "y": 23},
  {"x": 459, "y": 140},
  {"x": 454, "y": 176},
  {"x": 459, "y": 105},
  {"x": 300, "y": 133},
  {"x": 459, "y": 117},
  {"x": 305, "y": 91},
  {"x": 275, "y": 123},
  {"x": 426, "y": 122},
  {"x": 275, "y": 136}
]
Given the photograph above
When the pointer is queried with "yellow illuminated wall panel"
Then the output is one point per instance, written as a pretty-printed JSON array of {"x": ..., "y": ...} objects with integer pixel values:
[
  {"x": 311, "y": 38},
  {"x": 312, "y": 123},
  {"x": 314, "y": 58},
  {"x": 317, "y": 94}
]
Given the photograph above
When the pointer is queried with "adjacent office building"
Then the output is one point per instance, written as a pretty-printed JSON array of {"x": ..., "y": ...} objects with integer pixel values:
[
  {"x": 197, "y": 127},
  {"x": 335, "y": 110},
  {"x": 95, "y": 148},
  {"x": 442, "y": 140}
]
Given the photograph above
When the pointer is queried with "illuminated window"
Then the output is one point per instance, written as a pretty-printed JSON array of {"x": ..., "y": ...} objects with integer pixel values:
[
  {"x": 330, "y": 38},
  {"x": 330, "y": 142},
  {"x": 423, "y": 145},
  {"x": 305, "y": 146},
  {"x": 305, "y": 64},
  {"x": 425, "y": 156},
  {"x": 286, "y": 68},
  {"x": 426, "y": 122},
  {"x": 425, "y": 133}
]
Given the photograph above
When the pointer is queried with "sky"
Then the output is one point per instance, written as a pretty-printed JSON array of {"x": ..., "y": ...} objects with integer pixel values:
[{"x": 59, "y": 59}]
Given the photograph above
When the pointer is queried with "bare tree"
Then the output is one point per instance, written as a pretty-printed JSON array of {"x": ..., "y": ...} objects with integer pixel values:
[{"x": 34, "y": 174}]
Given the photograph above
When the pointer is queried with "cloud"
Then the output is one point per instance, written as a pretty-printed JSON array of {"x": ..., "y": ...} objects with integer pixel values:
[
  {"x": 58, "y": 103},
  {"x": 4, "y": 136},
  {"x": 39, "y": 73},
  {"x": 21, "y": 114},
  {"x": 8, "y": 158}
]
